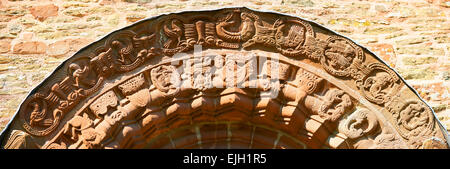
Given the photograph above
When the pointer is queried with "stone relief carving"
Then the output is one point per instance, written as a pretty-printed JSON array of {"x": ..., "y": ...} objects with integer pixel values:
[
  {"x": 100, "y": 106},
  {"x": 132, "y": 85},
  {"x": 434, "y": 143},
  {"x": 80, "y": 129},
  {"x": 364, "y": 131},
  {"x": 415, "y": 121},
  {"x": 414, "y": 116},
  {"x": 126, "y": 50},
  {"x": 379, "y": 85},
  {"x": 335, "y": 104},
  {"x": 166, "y": 79},
  {"x": 340, "y": 56},
  {"x": 20, "y": 140},
  {"x": 358, "y": 124}
]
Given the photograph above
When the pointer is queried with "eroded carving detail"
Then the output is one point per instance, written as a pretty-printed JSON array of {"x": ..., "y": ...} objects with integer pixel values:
[
  {"x": 86, "y": 76},
  {"x": 358, "y": 124},
  {"x": 331, "y": 106},
  {"x": 365, "y": 132},
  {"x": 126, "y": 50},
  {"x": 415, "y": 122},
  {"x": 100, "y": 106},
  {"x": 335, "y": 104},
  {"x": 434, "y": 143},
  {"x": 379, "y": 85},
  {"x": 80, "y": 129},
  {"x": 340, "y": 55},
  {"x": 20, "y": 140},
  {"x": 166, "y": 79},
  {"x": 132, "y": 85}
]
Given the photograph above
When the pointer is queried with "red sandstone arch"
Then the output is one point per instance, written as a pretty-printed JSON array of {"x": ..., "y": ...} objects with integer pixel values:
[{"x": 117, "y": 92}]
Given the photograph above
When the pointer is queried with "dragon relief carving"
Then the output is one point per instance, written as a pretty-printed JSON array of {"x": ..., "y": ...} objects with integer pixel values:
[
  {"x": 126, "y": 50},
  {"x": 83, "y": 132},
  {"x": 43, "y": 113},
  {"x": 364, "y": 130},
  {"x": 330, "y": 106},
  {"x": 335, "y": 104}
]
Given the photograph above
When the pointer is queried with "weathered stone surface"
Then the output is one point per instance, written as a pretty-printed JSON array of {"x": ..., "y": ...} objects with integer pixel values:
[
  {"x": 58, "y": 48},
  {"x": 5, "y": 46},
  {"x": 386, "y": 52},
  {"x": 43, "y": 12},
  {"x": 64, "y": 46},
  {"x": 315, "y": 89},
  {"x": 135, "y": 17},
  {"x": 382, "y": 30},
  {"x": 419, "y": 61},
  {"x": 29, "y": 47},
  {"x": 421, "y": 50},
  {"x": 417, "y": 73},
  {"x": 14, "y": 29},
  {"x": 78, "y": 12}
]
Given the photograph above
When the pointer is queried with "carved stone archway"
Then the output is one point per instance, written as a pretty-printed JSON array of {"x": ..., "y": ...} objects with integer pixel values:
[{"x": 146, "y": 86}]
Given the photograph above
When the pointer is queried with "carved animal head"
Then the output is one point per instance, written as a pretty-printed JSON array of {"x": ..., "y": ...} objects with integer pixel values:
[{"x": 336, "y": 103}]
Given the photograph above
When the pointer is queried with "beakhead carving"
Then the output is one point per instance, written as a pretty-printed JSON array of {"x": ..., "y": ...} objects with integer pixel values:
[{"x": 274, "y": 76}]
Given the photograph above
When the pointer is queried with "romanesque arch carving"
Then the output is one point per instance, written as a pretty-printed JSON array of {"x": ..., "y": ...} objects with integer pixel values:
[{"x": 142, "y": 86}]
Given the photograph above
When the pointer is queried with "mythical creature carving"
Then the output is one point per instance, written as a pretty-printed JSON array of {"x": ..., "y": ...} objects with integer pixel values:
[
  {"x": 231, "y": 19},
  {"x": 415, "y": 121},
  {"x": 358, "y": 124},
  {"x": 80, "y": 75},
  {"x": 81, "y": 129},
  {"x": 174, "y": 33},
  {"x": 340, "y": 55},
  {"x": 124, "y": 51},
  {"x": 331, "y": 106},
  {"x": 335, "y": 104},
  {"x": 379, "y": 85},
  {"x": 37, "y": 119}
]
